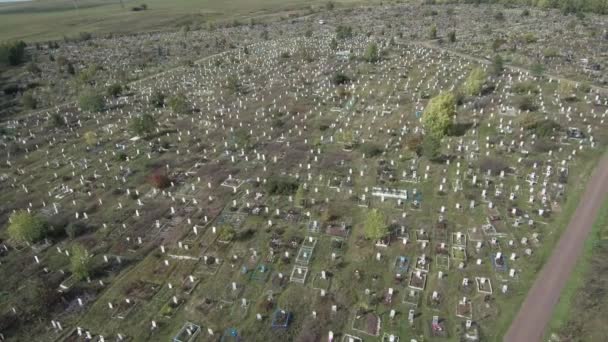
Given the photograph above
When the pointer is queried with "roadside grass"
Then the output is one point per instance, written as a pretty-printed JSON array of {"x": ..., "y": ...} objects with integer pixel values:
[
  {"x": 564, "y": 311},
  {"x": 578, "y": 180}
]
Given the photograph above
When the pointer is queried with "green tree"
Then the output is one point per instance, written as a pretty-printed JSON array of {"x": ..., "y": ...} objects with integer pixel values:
[
  {"x": 81, "y": 262},
  {"x": 157, "y": 98},
  {"x": 143, "y": 124},
  {"x": 333, "y": 44},
  {"x": 234, "y": 84},
  {"x": 179, "y": 103},
  {"x": 25, "y": 227},
  {"x": 474, "y": 83},
  {"x": 371, "y": 53},
  {"x": 438, "y": 115},
  {"x": 90, "y": 138},
  {"x": 114, "y": 89},
  {"x": 12, "y": 53},
  {"x": 431, "y": 146},
  {"x": 300, "y": 196},
  {"x": 497, "y": 65},
  {"x": 375, "y": 225},
  {"x": 537, "y": 69},
  {"x": 344, "y": 32},
  {"x": 91, "y": 101},
  {"x": 452, "y": 36},
  {"x": 433, "y": 32},
  {"x": 29, "y": 101}
]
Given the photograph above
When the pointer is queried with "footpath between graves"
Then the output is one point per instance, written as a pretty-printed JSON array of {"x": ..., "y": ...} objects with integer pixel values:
[{"x": 535, "y": 312}]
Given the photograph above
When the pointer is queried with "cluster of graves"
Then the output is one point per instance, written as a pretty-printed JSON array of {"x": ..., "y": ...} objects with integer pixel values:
[{"x": 257, "y": 231}]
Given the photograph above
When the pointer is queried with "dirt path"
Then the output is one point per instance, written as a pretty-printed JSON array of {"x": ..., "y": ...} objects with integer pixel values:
[{"x": 536, "y": 311}]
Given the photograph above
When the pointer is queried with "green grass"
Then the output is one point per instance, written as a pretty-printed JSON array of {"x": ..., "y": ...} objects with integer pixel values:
[
  {"x": 52, "y": 19},
  {"x": 510, "y": 307},
  {"x": 564, "y": 311}
]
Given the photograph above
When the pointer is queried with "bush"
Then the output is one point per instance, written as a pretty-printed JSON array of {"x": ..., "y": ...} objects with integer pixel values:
[
  {"x": 370, "y": 149},
  {"x": 159, "y": 180},
  {"x": 545, "y": 127},
  {"x": 12, "y": 53},
  {"x": 431, "y": 147},
  {"x": 143, "y": 124},
  {"x": 179, "y": 104},
  {"x": 525, "y": 103},
  {"x": 75, "y": 229},
  {"x": 26, "y": 227},
  {"x": 495, "y": 165},
  {"x": 114, "y": 90},
  {"x": 29, "y": 101},
  {"x": 371, "y": 53},
  {"x": 80, "y": 262},
  {"x": 281, "y": 185},
  {"x": 344, "y": 32},
  {"x": 340, "y": 78},
  {"x": 157, "y": 99},
  {"x": 91, "y": 101}
]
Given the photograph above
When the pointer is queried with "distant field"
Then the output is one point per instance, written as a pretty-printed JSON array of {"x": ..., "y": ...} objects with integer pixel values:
[{"x": 49, "y": 19}]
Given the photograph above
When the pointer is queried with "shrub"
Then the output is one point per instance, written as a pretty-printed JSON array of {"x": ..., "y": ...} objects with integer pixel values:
[
  {"x": 525, "y": 102},
  {"x": 370, "y": 149},
  {"x": 114, "y": 90},
  {"x": 29, "y": 101},
  {"x": 143, "y": 124},
  {"x": 179, "y": 104},
  {"x": 80, "y": 262},
  {"x": 495, "y": 165},
  {"x": 75, "y": 229},
  {"x": 281, "y": 185},
  {"x": 340, "y": 78},
  {"x": 91, "y": 101},
  {"x": 159, "y": 180},
  {"x": 26, "y": 227},
  {"x": 12, "y": 53},
  {"x": 431, "y": 147},
  {"x": 157, "y": 99}
]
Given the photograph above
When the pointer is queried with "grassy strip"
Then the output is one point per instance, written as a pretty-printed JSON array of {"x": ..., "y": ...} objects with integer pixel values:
[
  {"x": 563, "y": 311},
  {"x": 578, "y": 182}
]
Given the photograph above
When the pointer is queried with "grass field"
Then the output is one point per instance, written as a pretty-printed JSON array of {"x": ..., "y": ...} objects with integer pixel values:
[{"x": 50, "y": 19}]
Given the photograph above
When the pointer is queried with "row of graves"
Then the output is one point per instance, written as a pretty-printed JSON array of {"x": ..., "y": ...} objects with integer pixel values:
[{"x": 244, "y": 218}]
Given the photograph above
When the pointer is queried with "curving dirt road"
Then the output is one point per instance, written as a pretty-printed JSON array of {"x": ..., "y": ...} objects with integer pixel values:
[{"x": 536, "y": 311}]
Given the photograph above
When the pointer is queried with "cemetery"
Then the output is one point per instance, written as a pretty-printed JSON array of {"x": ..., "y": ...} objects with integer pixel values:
[{"x": 358, "y": 183}]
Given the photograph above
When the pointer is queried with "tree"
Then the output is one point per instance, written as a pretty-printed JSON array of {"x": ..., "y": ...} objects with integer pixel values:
[
  {"x": 25, "y": 227},
  {"x": 114, "y": 89},
  {"x": 371, "y": 53},
  {"x": 330, "y": 5},
  {"x": 452, "y": 36},
  {"x": 375, "y": 225},
  {"x": 344, "y": 32},
  {"x": 12, "y": 53},
  {"x": 179, "y": 104},
  {"x": 497, "y": 65},
  {"x": 474, "y": 83},
  {"x": 433, "y": 32},
  {"x": 300, "y": 196},
  {"x": 566, "y": 90},
  {"x": 431, "y": 146},
  {"x": 143, "y": 124},
  {"x": 91, "y": 101},
  {"x": 537, "y": 69},
  {"x": 29, "y": 101},
  {"x": 234, "y": 84},
  {"x": 437, "y": 116},
  {"x": 333, "y": 44},
  {"x": 90, "y": 138},
  {"x": 81, "y": 262},
  {"x": 159, "y": 180}
]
